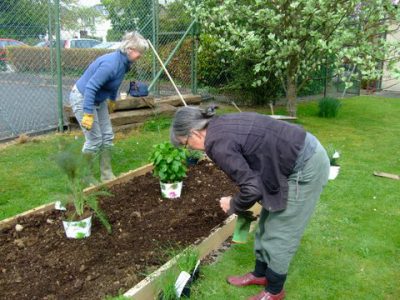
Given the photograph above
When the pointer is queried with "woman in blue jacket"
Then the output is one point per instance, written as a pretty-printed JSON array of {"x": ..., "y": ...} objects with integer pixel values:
[
  {"x": 273, "y": 162},
  {"x": 93, "y": 97}
]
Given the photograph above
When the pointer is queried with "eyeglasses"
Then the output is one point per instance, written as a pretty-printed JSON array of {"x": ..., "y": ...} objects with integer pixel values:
[{"x": 187, "y": 140}]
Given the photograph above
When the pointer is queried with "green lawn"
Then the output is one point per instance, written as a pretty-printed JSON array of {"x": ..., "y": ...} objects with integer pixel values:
[{"x": 351, "y": 249}]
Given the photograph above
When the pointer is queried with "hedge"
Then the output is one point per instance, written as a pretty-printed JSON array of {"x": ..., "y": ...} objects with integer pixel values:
[{"x": 37, "y": 59}]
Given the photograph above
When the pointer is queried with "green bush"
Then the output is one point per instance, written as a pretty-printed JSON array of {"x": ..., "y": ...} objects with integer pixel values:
[
  {"x": 328, "y": 107},
  {"x": 37, "y": 59},
  {"x": 212, "y": 71},
  {"x": 234, "y": 76}
]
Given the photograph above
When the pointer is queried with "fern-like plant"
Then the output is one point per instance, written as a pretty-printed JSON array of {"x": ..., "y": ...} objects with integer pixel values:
[
  {"x": 185, "y": 261},
  {"x": 76, "y": 201}
]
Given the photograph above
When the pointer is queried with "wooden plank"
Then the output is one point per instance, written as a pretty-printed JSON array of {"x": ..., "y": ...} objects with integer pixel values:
[
  {"x": 37, "y": 210},
  {"x": 134, "y": 103},
  {"x": 141, "y": 115},
  {"x": 127, "y": 127},
  {"x": 147, "y": 288},
  {"x": 282, "y": 117},
  {"x": 387, "y": 175},
  {"x": 124, "y": 177},
  {"x": 176, "y": 100}
]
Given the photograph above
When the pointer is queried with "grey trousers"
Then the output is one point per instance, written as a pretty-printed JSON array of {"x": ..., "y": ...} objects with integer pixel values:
[
  {"x": 101, "y": 135},
  {"x": 279, "y": 233}
]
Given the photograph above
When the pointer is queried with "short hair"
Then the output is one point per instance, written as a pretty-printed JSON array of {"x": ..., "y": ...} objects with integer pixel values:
[{"x": 134, "y": 40}]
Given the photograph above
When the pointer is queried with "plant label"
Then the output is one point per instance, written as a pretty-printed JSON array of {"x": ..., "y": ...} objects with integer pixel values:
[{"x": 180, "y": 283}]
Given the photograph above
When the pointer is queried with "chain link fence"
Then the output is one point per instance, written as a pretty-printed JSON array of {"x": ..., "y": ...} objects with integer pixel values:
[
  {"x": 227, "y": 81},
  {"x": 32, "y": 83}
]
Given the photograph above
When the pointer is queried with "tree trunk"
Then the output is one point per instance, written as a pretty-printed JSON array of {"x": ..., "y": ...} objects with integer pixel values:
[{"x": 291, "y": 95}]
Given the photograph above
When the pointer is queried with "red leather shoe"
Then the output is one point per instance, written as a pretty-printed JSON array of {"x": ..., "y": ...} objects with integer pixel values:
[
  {"x": 247, "y": 279},
  {"x": 268, "y": 296}
]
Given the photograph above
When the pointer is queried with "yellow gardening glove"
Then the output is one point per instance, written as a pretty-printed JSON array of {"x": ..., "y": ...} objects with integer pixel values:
[
  {"x": 87, "y": 121},
  {"x": 111, "y": 106}
]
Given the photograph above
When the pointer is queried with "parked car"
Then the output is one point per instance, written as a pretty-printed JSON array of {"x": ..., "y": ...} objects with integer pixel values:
[
  {"x": 70, "y": 43},
  {"x": 47, "y": 44},
  {"x": 107, "y": 45},
  {"x": 8, "y": 42},
  {"x": 80, "y": 43},
  {"x": 4, "y": 66}
]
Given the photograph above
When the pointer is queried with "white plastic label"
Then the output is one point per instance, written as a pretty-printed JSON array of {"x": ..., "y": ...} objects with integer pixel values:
[
  {"x": 58, "y": 206},
  {"x": 181, "y": 282}
]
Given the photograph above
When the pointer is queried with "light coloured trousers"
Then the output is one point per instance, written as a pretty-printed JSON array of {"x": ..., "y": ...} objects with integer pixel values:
[
  {"x": 279, "y": 233},
  {"x": 101, "y": 135}
]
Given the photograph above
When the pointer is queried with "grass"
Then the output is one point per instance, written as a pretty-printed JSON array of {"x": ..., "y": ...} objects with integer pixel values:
[
  {"x": 30, "y": 177},
  {"x": 351, "y": 248}
]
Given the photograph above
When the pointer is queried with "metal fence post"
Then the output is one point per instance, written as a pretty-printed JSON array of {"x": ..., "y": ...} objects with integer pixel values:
[
  {"x": 59, "y": 75},
  {"x": 195, "y": 46},
  {"x": 50, "y": 38},
  {"x": 155, "y": 44}
]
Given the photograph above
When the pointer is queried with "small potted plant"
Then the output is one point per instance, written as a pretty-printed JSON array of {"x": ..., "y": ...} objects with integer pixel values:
[
  {"x": 170, "y": 167},
  {"x": 193, "y": 157},
  {"x": 334, "y": 156},
  {"x": 176, "y": 282},
  {"x": 78, "y": 206}
]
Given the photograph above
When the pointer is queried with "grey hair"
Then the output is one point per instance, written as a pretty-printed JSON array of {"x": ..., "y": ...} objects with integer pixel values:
[
  {"x": 134, "y": 40},
  {"x": 189, "y": 118}
]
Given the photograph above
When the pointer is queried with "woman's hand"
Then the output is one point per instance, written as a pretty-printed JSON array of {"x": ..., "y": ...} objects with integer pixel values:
[
  {"x": 225, "y": 203},
  {"x": 87, "y": 121}
]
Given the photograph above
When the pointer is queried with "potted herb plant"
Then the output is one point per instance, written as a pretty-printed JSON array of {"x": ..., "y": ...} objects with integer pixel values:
[
  {"x": 79, "y": 206},
  {"x": 334, "y": 168},
  {"x": 193, "y": 157},
  {"x": 170, "y": 167},
  {"x": 176, "y": 282}
]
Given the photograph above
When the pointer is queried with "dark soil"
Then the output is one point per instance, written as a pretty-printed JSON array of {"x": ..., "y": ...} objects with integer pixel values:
[{"x": 39, "y": 262}]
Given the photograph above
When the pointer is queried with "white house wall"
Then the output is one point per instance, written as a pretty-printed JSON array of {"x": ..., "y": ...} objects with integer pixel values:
[
  {"x": 102, "y": 24},
  {"x": 390, "y": 83}
]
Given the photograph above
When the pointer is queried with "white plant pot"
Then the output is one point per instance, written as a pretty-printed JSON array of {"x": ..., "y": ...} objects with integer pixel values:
[
  {"x": 333, "y": 172},
  {"x": 78, "y": 229},
  {"x": 171, "y": 190}
]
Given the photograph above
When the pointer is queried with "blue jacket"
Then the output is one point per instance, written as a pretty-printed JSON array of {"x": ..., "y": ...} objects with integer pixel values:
[{"x": 101, "y": 80}]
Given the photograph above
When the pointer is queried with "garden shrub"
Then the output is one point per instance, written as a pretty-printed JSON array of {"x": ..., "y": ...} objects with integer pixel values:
[
  {"x": 328, "y": 107},
  {"x": 233, "y": 76},
  {"x": 37, "y": 59},
  {"x": 212, "y": 71}
]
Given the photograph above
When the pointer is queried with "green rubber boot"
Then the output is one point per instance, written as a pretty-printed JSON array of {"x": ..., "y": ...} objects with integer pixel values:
[
  {"x": 105, "y": 165},
  {"x": 89, "y": 178},
  {"x": 242, "y": 227}
]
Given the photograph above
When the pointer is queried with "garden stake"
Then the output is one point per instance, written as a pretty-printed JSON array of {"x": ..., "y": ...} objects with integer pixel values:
[
  {"x": 166, "y": 72},
  {"x": 387, "y": 175},
  {"x": 234, "y": 104}
]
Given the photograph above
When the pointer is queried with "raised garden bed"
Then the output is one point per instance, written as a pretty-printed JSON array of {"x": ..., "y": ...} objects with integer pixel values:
[{"x": 39, "y": 262}]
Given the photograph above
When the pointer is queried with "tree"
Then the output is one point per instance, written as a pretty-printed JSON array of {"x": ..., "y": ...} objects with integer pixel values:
[
  {"x": 28, "y": 19},
  {"x": 129, "y": 15},
  {"x": 22, "y": 19},
  {"x": 293, "y": 39}
]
